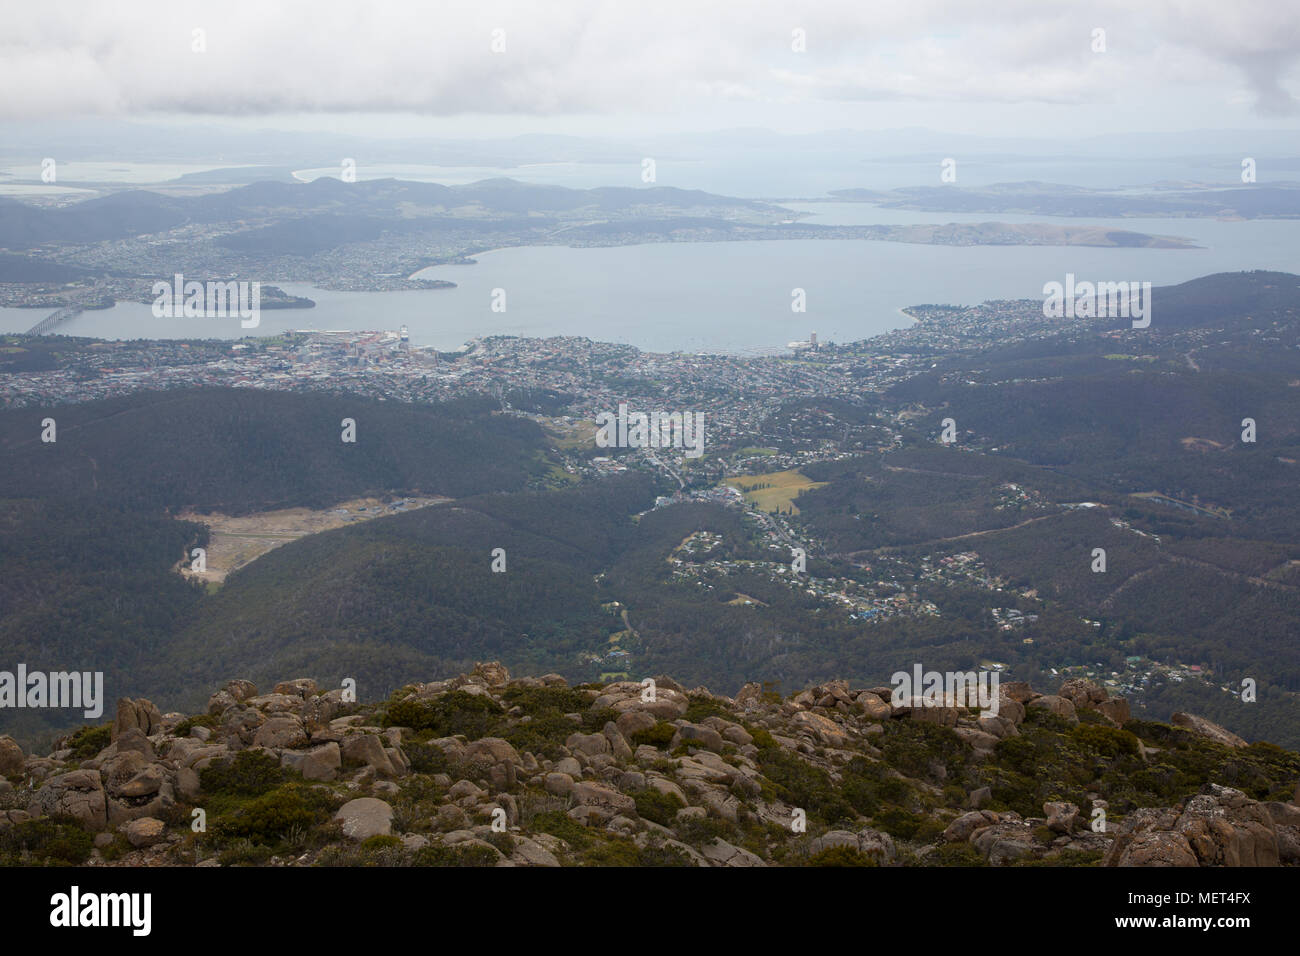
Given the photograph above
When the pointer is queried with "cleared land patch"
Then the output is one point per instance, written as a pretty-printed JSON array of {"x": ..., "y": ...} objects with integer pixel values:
[
  {"x": 775, "y": 490},
  {"x": 236, "y": 541}
]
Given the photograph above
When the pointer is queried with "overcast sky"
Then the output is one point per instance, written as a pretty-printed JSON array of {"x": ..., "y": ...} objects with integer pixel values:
[{"x": 999, "y": 67}]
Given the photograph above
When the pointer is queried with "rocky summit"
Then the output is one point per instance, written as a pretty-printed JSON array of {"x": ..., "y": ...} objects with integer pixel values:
[{"x": 486, "y": 770}]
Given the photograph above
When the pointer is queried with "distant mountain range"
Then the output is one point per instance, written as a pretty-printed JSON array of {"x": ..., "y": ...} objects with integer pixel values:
[{"x": 136, "y": 211}]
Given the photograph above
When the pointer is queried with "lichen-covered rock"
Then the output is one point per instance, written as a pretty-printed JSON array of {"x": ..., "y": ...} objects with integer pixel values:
[
  {"x": 1220, "y": 827},
  {"x": 78, "y": 794},
  {"x": 145, "y": 831},
  {"x": 365, "y": 817},
  {"x": 1060, "y": 706}
]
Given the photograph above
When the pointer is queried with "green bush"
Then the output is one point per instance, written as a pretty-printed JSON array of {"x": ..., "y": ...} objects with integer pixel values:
[
  {"x": 914, "y": 747},
  {"x": 539, "y": 700},
  {"x": 189, "y": 723},
  {"x": 456, "y": 712},
  {"x": 461, "y": 854},
  {"x": 272, "y": 817},
  {"x": 660, "y": 735},
  {"x": 698, "y": 707},
  {"x": 954, "y": 854},
  {"x": 544, "y": 734},
  {"x": 559, "y": 824},
  {"x": 49, "y": 841},
  {"x": 663, "y": 856},
  {"x": 1105, "y": 741},
  {"x": 426, "y": 758},
  {"x": 244, "y": 853},
  {"x": 700, "y": 830},
  {"x": 89, "y": 741},
  {"x": 622, "y": 852},
  {"x": 907, "y": 825},
  {"x": 657, "y": 807},
  {"x": 800, "y": 784},
  {"x": 250, "y": 774},
  {"x": 841, "y": 856}
]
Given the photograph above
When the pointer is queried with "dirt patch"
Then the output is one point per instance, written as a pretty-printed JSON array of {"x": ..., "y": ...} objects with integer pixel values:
[{"x": 237, "y": 541}]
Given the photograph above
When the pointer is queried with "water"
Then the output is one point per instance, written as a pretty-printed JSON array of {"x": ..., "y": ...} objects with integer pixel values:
[{"x": 728, "y": 296}]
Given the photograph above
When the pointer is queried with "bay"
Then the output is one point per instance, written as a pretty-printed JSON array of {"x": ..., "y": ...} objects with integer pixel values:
[{"x": 732, "y": 297}]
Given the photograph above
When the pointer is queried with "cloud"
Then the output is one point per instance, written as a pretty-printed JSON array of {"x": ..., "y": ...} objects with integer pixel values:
[{"x": 588, "y": 57}]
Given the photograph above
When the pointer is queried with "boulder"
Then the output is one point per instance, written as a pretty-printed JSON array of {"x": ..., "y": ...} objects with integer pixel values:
[
  {"x": 1219, "y": 827},
  {"x": 697, "y": 735},
  {"x": 873, "y": 707},
  {"x": 1018, "y": 691},
  {"x": 1057, "y": 705},
  {"x": 139, "y": 714},
  {"x": 875, "y": 844},
  {"x": 527, "y": 852},
  {"x": 749, "y": 697},
  {"x": 930, "y": 713},
  {"x": 961, "y": 829},
  {"x": 589, "y": 744},
  {"x": 1116, "y": 709},
  {"x": 490, "y": 750},
  {"x": 282, "y": 731},
  {"x": 1005, "y": 841},
  {"x": 999, "y": 726},
  {"x": 319, "y": 763},
  {"x": 492, "y": 673},
  {"x": 143, "y": 832},
  {"x": 1207, "y": 729},
  {"x": 232, "y": 693},
  {"x": 78, "y": 794},
  {"x": 626, "y": 696},
  {"x": 1011, "y": 709},
  {"x": 11, "y": 756},
  {"x": 1082, "y": 693},
  {"x": 1062, "y": 817},
  {"x": 632, "y": 722},
  {"x": 302, "y": 687},
  {"x": 367, "y": 750},
  {"x": 589, "y": 794},
  {"x": 722, "y": 853},
  {"x": 365, "y": 817},
  {"x": 559, "y": 784},
  {"x": 1156, "y": 848}
]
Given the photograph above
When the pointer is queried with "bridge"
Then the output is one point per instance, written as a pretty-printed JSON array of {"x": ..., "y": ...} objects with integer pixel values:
[{"x": 65, "y": 314}]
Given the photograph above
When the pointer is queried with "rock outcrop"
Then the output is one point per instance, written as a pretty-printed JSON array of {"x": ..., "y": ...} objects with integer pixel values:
[{"x": 622, "y": 773}]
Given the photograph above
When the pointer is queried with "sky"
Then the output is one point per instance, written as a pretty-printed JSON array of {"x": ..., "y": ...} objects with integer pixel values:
[{"x": 1034, "y": 68}]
